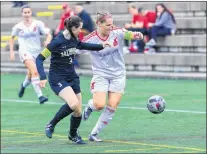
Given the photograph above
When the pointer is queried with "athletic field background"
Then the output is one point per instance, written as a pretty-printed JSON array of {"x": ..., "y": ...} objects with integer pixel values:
[{"x": 181, "y": 128}]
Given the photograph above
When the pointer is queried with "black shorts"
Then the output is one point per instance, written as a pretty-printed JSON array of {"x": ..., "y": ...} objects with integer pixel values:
[{"x": 58, "y": 85}]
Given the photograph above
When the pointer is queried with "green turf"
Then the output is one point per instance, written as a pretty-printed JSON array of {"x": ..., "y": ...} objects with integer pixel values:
[{"x": 131, "y": 131}]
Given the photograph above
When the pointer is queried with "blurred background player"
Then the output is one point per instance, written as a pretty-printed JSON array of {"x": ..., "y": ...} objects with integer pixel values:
[
  {"x": 28, "y": 32},
  {"x": 67, "y": 12},
  {"x": 109, "y": 73},
  {"x": 63, "y": 79},
  {"x": 142, "y": 20},
  {"x": 88, "y": 25}
]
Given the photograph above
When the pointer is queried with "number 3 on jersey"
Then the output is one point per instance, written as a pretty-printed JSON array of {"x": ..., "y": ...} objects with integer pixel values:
[{"x": 70, "y": 60}]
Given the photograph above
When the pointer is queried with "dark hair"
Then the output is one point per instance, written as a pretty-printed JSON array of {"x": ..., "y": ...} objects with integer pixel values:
[
  {"x": 73, "y": 21},
  {"x": 140, "y": 9},
  {"x": 165, "y": 9},
  {"x": 25, "y": 6},
  {"x": 102, "y": 16}
]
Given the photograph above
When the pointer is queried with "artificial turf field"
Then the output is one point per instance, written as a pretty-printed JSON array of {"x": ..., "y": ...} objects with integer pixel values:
[{"x": 181, "y": 128}]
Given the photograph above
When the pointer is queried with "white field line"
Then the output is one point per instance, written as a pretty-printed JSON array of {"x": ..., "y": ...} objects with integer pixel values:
[{"x": 121, "y": 107}]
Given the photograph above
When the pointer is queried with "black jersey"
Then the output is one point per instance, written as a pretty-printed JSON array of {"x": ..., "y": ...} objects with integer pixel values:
[
  {"x": 62, "y": 53},
  {"x": 62, "y": 56}
]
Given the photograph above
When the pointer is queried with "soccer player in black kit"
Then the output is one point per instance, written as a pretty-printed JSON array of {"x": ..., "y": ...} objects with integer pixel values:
[{"x": 62, "y": 77}]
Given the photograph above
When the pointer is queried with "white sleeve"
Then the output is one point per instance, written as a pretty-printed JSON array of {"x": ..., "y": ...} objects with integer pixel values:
[
  {"x": 15, "y": 30},
  {"x": 43, "y": 29},
  {"x": 120, "y": 33}
]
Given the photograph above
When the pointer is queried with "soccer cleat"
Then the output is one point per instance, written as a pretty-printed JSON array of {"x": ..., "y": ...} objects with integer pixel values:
[
  {"x": 21, "y": 91},
  {"x": 76, "y": 138},
  {"x": 86, "y": 112},
  {"x": 43, "y": 99},
  {"x": 94, "y": 137},
  {"x": 49, "y": 130}
]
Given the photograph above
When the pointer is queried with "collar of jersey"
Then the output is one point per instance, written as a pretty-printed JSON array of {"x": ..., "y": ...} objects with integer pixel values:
[{"x": 102, "y": 38}]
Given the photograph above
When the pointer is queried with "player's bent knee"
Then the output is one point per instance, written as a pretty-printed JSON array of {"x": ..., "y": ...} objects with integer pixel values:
[
  {"x": 77, "y": 114},
  {"x": 29, "y": 75},
  {"x": 77, "y": 111},
  {"x": 75, "y": 106},
  {"x": 99, "y": 100},
  {"x": 99, "y": 106},
  {"x": 34, "y": 74}
]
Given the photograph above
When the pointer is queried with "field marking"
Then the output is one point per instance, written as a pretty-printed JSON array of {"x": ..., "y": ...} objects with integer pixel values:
[
  {"x": 114, "y": 141},
  {"x": 97, "y": 145},
  {"x": 27, "y": 141},
  {"x": 157, "y": 145},
  {"x": 28, "y": 133},
  {"x": 28, "y": 136},
  {"x": 121, "y": 107},
  {"x": 132, "y": 150},
  {"x": 184, "y": 152},
  {"x": 40, "y": 140}
]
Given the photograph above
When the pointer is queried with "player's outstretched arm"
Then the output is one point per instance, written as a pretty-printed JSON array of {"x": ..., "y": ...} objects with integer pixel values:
[
  {"x": 93, "y": 47},
  {"x": 129, "y": 35},
  {"x": 15, "y": 31},
  {"x": 39, "y": 63}
]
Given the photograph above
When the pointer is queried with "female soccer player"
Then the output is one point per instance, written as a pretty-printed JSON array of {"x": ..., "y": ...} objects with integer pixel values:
[
  {"x": 63, "y": 79},
  {"x": 109, "y": 73},
  {"x": 28, "y": 32}
]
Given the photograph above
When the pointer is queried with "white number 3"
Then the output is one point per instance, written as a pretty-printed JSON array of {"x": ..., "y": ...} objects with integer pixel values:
[{"x": 70, "y": 60}]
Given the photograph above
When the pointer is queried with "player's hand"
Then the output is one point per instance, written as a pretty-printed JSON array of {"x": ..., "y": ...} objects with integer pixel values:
[
  {"x": 138, "y": 35},
  {"x": 43, "y": 83},
  {"x": 127, "y": 25},
  {"x": 46, "y": 43},
  {"x": 150, "y": 24},
  {"x": 12, "y": 57},
  {"x": 106, "y": 44}
]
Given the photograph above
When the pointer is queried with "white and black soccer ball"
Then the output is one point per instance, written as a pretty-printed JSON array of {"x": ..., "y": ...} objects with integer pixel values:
[{"x": 156, "y": 104}]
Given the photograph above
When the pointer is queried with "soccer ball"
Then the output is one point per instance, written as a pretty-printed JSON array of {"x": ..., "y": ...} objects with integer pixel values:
[{"x": 156, "y": 104}]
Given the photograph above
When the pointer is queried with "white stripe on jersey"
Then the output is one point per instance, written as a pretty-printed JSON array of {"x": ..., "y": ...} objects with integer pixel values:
[
  {"x": 108, "y": 62},
  {"x": 29, "y": 37}
]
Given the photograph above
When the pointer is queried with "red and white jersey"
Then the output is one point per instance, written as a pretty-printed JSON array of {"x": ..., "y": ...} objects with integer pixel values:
[
  {"x": 29, "y": 36},
  {"x": 108, "y": 62}
]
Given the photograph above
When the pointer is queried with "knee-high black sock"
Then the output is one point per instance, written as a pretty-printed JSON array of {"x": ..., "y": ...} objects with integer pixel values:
[
  {"x": 74, "y": 124},
  {"x": 63, "y": 112}
]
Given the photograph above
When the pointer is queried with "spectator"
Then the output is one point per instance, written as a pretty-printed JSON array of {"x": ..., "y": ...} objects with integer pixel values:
[
  {"x": 88, "y": 25},
  {"x": 149, "y": 20},
  {"x": 67, "y": 12},
  {"x": 139, "y": 23},
  {"x": 165, "y": 24},
  {"x": 87, "y": 28},
  {"x": 150, "y": 17},
  {"x": 135, "y": 19}
]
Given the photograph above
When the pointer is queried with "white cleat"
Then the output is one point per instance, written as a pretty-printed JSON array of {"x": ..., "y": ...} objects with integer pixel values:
[
  {"x": 86, "y": 112},
  {"x": 94, "y": 137}
]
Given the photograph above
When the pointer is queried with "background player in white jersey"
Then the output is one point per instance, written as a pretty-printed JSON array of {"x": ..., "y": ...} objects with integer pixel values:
[
  {"x": 109, "y": 73},
  {"x": 28, "y": 32}
]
